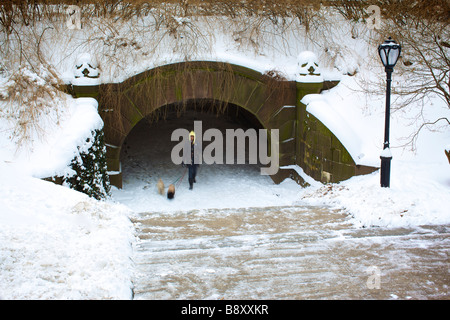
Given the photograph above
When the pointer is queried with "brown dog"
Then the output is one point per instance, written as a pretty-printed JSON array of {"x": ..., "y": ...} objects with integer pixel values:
[
  {"x": 160, "y": 186},
  {"x": 171, "y": 192}
]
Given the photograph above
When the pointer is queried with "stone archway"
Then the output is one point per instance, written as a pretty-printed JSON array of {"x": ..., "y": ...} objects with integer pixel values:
[
  {"x": 304, "y": 141},
  {"x": 123, "y": 105}
]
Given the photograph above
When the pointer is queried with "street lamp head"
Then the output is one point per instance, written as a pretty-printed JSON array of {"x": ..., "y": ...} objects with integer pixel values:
[{"x": 389, "y": 52}]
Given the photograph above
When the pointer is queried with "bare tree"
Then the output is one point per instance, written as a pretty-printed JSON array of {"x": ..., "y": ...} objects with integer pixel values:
[
  {"x": 422, "y": 27},
  {"x": 423, "y": 30}
]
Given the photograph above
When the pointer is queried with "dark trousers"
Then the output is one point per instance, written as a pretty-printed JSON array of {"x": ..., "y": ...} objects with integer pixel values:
[{"x": 192, "y": 173}]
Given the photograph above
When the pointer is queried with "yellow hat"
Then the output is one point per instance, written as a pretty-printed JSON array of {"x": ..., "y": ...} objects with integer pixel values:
[{"x": 192, "y": 133}]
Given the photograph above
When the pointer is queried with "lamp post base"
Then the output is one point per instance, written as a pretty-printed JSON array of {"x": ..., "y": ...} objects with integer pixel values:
[{"x": 385, "y": 171}]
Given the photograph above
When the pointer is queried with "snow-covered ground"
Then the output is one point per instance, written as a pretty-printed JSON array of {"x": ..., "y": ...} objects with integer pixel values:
[
  {"x": 56, "y": 243},
  {"x": 147, "y": 158}
]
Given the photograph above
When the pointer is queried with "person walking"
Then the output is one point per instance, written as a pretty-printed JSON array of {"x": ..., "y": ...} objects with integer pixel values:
[{"x": 191, "y": 159}]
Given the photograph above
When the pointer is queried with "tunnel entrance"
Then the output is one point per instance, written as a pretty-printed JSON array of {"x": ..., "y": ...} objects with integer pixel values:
[
  {"x": 146, "y": 152},
  {"x": 272, "y": 100},
  {"x": 261, "y": 100}
]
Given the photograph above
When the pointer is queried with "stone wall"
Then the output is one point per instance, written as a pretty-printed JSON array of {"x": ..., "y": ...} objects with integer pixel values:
[{"x": 319, "y": 152}]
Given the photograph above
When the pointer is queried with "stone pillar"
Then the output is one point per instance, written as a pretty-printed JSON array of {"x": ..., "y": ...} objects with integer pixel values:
[
  {"x": 302, "y": 149},
  {"x": 86, "y": 83},
  {"x": 114, "y": 165}
]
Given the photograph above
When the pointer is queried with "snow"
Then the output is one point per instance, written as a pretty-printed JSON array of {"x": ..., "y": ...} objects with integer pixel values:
[
  {"x": 307, "y": 60},
  {"x": 56, "y": 243},
  {"x": 217, "y": 187},
  {"x": 50, "y": 156},
  {"x": 386, "y": 153},
  {"x": 302, "y": 174},
  {"x": 326, "y": 112},
  {"x": 85, "y": 63},
  {"x": 419, "y": 194}
]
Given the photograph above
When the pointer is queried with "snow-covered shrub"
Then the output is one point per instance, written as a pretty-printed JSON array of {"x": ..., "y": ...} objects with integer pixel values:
[{"x": 90, "y": 170}]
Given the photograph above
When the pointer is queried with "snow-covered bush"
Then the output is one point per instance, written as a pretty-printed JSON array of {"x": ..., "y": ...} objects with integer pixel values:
[{"x": 89, "y": 168}]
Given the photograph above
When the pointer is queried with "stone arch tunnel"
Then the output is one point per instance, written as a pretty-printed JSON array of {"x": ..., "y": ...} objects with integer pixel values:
[{"x": 271, "y": 101}]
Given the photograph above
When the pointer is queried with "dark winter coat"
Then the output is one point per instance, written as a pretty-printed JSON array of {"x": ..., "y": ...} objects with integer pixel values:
[{"x": 191, "y": 153}]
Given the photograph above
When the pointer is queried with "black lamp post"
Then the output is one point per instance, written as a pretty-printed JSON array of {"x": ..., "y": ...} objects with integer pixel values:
[{"x": 389, "y": 52}]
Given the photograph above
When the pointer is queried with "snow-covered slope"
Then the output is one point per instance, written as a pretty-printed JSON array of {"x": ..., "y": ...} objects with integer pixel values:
[{"x": 56, "y": 243}]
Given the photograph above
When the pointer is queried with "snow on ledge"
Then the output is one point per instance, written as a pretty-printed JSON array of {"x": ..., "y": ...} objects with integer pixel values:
[
  {"x": 322, "y": 109},
  {"x": 302, "y": 174}
]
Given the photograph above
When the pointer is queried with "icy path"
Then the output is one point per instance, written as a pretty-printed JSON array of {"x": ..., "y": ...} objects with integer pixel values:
[
  {"x": 239, "y": 236},
  {"x": 285, "y": 252}
]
